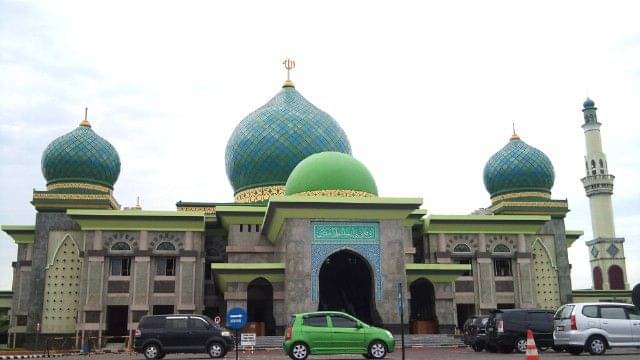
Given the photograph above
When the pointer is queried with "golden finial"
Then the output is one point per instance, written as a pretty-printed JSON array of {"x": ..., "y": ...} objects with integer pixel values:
[
  {"x": 514, "y": 136},
  {"x": 84, "y": 121},
  {"x": 289, "y": 64}
]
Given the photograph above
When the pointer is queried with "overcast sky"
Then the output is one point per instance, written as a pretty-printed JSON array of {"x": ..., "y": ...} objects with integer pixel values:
[{"x": 425, "y": 92}]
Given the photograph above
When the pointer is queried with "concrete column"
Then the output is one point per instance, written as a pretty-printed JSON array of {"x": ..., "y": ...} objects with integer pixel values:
[
  {"x": 97, "y": 240},
  {"x": 522, "y": 244},
  {"x": 482, "y": 243},
  {"x": 188, "y": 240},
  {"x": 143, "y": 245},
  {"x": 442, "y": 243}
]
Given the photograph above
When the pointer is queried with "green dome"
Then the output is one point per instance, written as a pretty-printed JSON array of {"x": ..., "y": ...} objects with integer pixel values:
[
  {"x": 268, "y": 143},
  {"x": 518, "y": 167},
  {"x": 331, "y": 173},
  {"x": 81, "y": 156}
]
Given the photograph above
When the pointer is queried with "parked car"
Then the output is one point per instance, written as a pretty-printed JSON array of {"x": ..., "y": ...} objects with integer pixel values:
[
  {"x": 474, "y": 332},
  {"x": 596, "y": 327},
  {"x": 507, "y": 329},
  {"x": 332, "y": 333},
  {"x": 159, "y": 335}
]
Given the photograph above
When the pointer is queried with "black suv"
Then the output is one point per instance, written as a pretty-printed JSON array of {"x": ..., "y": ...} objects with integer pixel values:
[
  {"x": 474, "y": 332},
  {"x": 507, "y": 329},
  {"x": 158, "y": 335}
]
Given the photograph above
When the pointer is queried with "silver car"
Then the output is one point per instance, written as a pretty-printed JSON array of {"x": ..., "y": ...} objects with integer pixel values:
[{"x": 596, "y": 327}]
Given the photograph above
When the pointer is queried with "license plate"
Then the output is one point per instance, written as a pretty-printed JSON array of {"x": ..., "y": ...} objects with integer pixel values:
[{"x": 560, "y": 328}]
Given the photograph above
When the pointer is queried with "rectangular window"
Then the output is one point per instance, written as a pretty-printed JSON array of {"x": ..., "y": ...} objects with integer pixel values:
[
  {"x": 166, "y": 266},
  {"x": 120, "y": 266},
  {"x": 465, "y": 261},
  {"x": 342, "y": 322},
  {"x": 590, "y": 311},
  {"x": 564, "y": 312},
  {"x": 633, "y": 313},
  {"x": 177, "y": 323},
  {"x": 316, "y": 321},
  {"x": 612, "y": 313},
  {"x": 502, "y": 267}
]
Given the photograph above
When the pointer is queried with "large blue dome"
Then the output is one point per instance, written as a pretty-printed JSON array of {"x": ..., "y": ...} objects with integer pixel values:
[
  {"x": 268, "y": 143},
  {"x": 518, "y": 167},
  {"x": 81, "y": 156}
]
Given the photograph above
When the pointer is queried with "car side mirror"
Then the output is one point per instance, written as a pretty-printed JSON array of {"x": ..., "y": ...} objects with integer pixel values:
[{"x": 359, "y": 325}]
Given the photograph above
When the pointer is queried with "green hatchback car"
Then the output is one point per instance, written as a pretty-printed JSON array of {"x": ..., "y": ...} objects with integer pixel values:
[{"x": 332, "y": 333}]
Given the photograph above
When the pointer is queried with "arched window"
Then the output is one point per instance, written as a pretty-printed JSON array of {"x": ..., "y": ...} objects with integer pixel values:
[
  {"x": 616, "y": 280},
  {"x": 586, "y": 166},
  {"x": 166, "y": 246},
  {"x": 501, "y": 248},
  {"x": 120, "y": 246},
  {"x": 597, "y": 278},
  {"x": 462, "y": 248},
  {"x": 593, "y": 167}
]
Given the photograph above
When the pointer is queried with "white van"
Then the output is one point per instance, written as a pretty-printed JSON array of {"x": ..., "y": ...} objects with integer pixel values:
[{"x": 596, "y": 327}]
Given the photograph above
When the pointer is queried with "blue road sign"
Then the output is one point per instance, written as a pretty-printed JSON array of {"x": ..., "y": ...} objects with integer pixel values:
[{"x": 236, "y": 318}]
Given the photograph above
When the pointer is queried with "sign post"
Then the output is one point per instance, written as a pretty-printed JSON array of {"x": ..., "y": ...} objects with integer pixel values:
[
  {"x": 236, "y": 320},
  {"x": 401, "y": 309}
]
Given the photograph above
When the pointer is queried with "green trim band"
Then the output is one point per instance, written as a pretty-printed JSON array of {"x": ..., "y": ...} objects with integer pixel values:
[{"x": 21, "y": 234}]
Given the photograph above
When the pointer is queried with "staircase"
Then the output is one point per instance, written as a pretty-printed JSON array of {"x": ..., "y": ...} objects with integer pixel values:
[{"x": 270, "y": 342}]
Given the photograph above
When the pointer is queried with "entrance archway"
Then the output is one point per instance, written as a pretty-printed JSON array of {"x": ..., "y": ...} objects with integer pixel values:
[
  {"x": 260, "y": 306},
  {"x": 616, "y": 279},
  {"x": 597, "y": 278},
  {"x": 346, "y": 284},
  {"x": 423, "y": 307}
]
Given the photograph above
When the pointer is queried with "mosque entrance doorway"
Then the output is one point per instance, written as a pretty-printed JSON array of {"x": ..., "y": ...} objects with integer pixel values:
[
  {"x": 346, "y": 284},
  {"x": 423, "y": 307},
  {"x": 117, "y": 320},
  {"x": 260, "y": 307}
]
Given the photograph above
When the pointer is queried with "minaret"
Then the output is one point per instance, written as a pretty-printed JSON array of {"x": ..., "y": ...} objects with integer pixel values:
[{"x": 608, "y": 267}]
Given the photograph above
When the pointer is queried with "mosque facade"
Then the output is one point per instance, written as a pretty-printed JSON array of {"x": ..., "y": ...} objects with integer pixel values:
[{"x": 306, "y": 231}]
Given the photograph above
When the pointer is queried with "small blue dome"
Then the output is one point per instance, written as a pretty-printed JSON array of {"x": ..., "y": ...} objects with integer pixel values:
[
  {"x": 587, "y": 104},
  {"x": 82, "y": 156},
  {"x": 268, "y": 143},
  {"x": 518, "y": 167}
]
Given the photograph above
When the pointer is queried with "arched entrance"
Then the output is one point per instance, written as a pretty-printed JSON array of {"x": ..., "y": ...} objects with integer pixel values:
[
  {"x": 616, "y": 279},
  {"x": 423, "y": 307},
  {"x": 597, "y": 278},
  {"x": 346, "y": 284},
  {"x": 260, "y": 306}
]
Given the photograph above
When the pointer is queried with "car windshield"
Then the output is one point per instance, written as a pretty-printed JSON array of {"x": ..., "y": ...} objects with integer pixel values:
[{"x": 564, "y": 312}]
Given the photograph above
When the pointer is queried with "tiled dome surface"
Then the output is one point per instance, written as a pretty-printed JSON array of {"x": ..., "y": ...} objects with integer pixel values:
[
  {"x": 81, "y": 155},
  {"x": 518, "y": 167},
  {"x": 268, "y": 143}
]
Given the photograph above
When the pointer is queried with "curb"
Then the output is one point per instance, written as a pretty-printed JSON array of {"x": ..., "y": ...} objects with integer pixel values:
[{"x": 4, "y": 357}]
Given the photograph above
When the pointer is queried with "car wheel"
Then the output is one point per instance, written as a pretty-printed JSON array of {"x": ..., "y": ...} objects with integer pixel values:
[
  {"x": 299, "y": 351},
  {"x": 477, "y": 347},
  {"x": 521, "y": 345},
  {"x": 151, "y": 352},
  {"x": 575, "y": 350},
  {"x": 543, "y": 348},
  {"x": 377, "y": 350},
  {"x": 596, "y": 345},
  {"x": 215, "y": 350}
]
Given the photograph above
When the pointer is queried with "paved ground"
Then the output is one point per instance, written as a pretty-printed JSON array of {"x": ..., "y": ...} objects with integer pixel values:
[{"x": 411, "y": 354}]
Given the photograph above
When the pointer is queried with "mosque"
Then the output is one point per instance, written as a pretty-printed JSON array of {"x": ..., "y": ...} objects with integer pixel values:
[{"x": 306, "y": 231}]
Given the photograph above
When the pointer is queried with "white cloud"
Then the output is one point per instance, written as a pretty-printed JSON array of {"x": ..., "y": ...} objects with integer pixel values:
[{"x": 426, "y": 92}]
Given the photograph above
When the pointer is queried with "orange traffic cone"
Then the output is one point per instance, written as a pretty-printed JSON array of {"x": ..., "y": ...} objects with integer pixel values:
[{"x": 532, "y": 350}]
